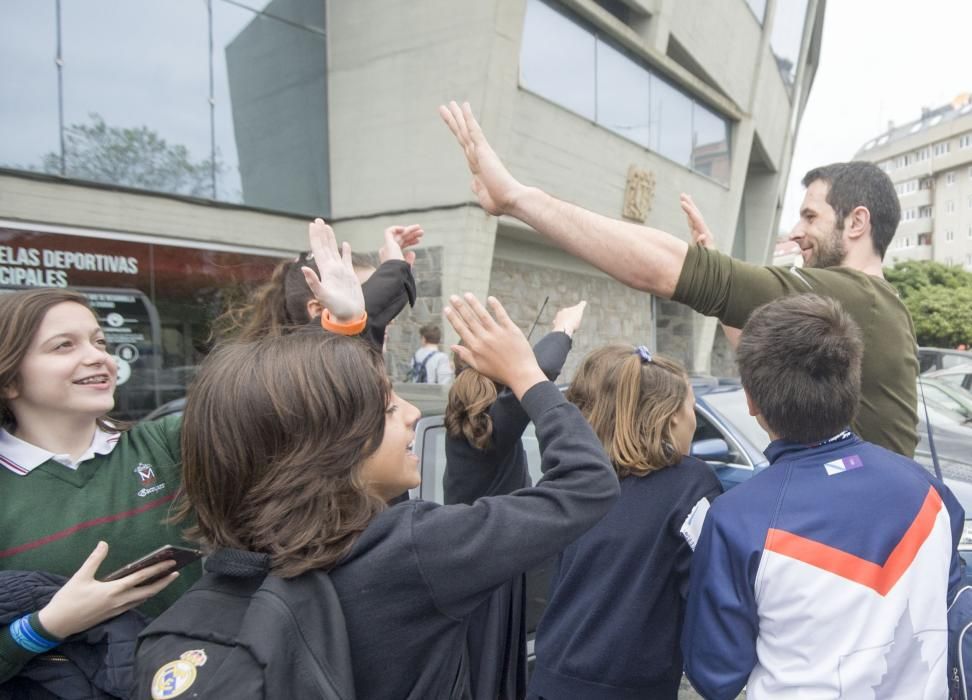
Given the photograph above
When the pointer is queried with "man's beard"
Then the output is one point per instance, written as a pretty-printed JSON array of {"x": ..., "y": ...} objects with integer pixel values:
[{"x": 830, "y": 253}]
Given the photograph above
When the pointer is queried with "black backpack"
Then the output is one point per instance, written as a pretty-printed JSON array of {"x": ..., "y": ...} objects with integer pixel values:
[
  {"x": 241, "y": 632},
  {"x": 418, "y": 372}
]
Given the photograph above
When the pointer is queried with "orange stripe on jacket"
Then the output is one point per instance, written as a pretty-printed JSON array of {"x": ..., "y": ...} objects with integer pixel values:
[{"x": 880, "y": 578}]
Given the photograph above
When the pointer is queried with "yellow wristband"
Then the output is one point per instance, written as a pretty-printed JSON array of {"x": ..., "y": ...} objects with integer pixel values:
[{"x": 349, "y": 328}]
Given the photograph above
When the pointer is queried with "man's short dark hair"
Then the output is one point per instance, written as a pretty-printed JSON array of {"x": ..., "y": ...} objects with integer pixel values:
[
  {"x": 860, "y": 184},
  {"x": 431, "y": 333},
  {"x": 800, "y": 361}
]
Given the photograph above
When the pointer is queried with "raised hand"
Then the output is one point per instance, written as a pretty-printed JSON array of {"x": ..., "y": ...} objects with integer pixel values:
[
  {"x": 496, "y": 347},
  {"x": 337, "y": 289},
  {"x": 492, "y": 183},
  {"x": 569, "y": 318},
  {"x": 397, "y": 238},
  {"x": 701, "y": 235},
  {"x": 84, "y": 601}
]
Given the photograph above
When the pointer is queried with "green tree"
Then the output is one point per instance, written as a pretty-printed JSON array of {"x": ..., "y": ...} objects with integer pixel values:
[
  {"x": 136, "y": 157},
  {"x": 939, "y": 298}
]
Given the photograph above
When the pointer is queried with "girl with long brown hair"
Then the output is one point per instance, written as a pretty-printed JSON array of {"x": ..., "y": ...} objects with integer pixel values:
[
  {"x": 485, "y": 457},
  {"x": 612, "y": 626},
  {"x": 292, "y": 446}
]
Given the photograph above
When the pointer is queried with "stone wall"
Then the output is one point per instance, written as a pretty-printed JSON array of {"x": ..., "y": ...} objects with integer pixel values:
[
  {"x": 403, "y": 335},
  {"x": 615, "y": 313}
]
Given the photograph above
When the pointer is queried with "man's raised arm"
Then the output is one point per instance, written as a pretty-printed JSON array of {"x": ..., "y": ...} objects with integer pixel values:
[{"x": 639, "y": 256}]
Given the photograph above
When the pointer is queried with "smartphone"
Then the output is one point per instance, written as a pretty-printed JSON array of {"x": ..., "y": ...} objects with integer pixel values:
[{"x": 183, "y": 556}]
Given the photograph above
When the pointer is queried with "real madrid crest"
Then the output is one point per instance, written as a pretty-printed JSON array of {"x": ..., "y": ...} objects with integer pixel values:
[{"x": 176, "y": 677}]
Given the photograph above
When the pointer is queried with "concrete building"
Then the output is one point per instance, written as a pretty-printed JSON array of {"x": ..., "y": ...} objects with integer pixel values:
[
  {"x": 225, "y": 139},
  {"x": 930, "y": 162}
]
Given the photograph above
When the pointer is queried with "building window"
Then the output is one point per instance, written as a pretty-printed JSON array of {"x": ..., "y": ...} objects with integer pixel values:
[
  {"x": 787, "y": 38},
  {"x": 204, "y": 126},
  {"x": 759, "y": 9},
  {"x": 910, "y": 214},
  {"x": 924, "y": 153},
  {"x": 970, "y": 201},
  {"x": 965, "y": 141},
  {"x": 941, "y": 148},
  {"x": 950, "y": 206},
  {"x": 924, "y": 239},
  {"x": 925, "y": 212},
  {"x": 949, "y": 236},
  {"x": 950, "y": 179},
  {"x": 567, "y": 63}
]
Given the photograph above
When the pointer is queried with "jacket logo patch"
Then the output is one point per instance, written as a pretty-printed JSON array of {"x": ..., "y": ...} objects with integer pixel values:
[
  {"x": 176, "y": 677},
  {"x": 838, "y": 466},
  {"x": 145, "y": 473},
  {"x": 146, "y": 477}
]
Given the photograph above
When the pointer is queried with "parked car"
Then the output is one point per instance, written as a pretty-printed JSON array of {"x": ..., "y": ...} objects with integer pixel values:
[
  {"x": 958, "y": 375},
  {"x": 930, "y": 359}
]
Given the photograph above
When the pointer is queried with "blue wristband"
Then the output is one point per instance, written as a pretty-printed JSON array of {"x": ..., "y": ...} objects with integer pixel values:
[{"x": 26, "y": 637}]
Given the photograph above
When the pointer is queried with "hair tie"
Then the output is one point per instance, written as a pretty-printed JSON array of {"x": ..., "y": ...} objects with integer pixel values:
[{"x": 644, "y": 353}]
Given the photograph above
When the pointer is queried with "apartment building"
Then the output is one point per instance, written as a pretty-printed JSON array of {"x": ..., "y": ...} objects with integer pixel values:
[{"x": 930, "y": 162}]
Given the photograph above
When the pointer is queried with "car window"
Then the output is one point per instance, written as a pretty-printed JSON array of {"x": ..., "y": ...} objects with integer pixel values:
[
  {"x": 949, "y": 361},
  {"x": 433, "y": 464},
  {"x": 731, "y": 406}
]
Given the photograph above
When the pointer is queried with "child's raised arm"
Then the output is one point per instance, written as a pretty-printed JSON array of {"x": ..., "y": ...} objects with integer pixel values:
[
  {"x": 493, "y": 347},
  {"x": 337, "y": 289}
]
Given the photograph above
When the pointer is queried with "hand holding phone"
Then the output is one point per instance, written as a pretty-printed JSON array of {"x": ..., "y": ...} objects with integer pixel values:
[
  {"x": 84, "y": 601},
  {"x": 182, "y": 556}
]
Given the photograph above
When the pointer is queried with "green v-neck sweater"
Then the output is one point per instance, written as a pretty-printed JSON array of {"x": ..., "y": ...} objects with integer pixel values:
[{"x": 52, "y": 518}]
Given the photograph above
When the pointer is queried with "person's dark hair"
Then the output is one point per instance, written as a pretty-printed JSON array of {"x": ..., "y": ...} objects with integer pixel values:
[
  {"x": 800, "y": 362},
  {"x": 630, "y": 404},
  {"x": 276, "y": 307},
  {"x": 21, "y": 314},
  {"x": 431, "y": 333},
  {"x": 859, "y": 184},
  {"x": 273, "y": 438},
  {"x": 467, "y": 411}
]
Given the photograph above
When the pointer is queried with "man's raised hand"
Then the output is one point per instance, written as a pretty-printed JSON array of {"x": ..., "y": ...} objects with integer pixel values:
[
  {"x": 701, "y": 235},
  {"x": 492, "y": 183}
]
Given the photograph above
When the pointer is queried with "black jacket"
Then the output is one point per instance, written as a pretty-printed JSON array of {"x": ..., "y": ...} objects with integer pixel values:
[
  {"x": 418, "y": 571},
  {"x": 96, "y": 664}
]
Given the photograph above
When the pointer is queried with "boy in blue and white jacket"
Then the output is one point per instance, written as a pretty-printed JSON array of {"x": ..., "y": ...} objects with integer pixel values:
[{"x": 827, "y": 575}]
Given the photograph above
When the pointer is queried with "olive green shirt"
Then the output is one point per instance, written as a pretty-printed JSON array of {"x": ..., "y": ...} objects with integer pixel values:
[{"x": 715, "y": 284}]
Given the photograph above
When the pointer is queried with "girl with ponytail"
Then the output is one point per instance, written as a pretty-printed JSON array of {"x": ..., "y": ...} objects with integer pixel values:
[
  {"x": 612, "y": 627},
  {"x": 484, "y": 457}
]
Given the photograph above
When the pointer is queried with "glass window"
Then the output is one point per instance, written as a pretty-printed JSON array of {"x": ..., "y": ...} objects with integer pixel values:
[
  {"x": 623, "y": 92},
  {"x": 710, "y": 144},
  {"x": 568, "y": 63},
  {"x": 671, "y": 122},
  {"x": 156, "y": 302},
  {"x": 28, "y": 84},
  {"x": 165, "y": 96},
  {"x": 759, "y": 9},
  {"x": 557, "y": 59},
  {"x": 787, "y": 36}
]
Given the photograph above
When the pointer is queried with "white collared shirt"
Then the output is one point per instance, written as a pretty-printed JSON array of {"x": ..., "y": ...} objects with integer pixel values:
[{"x": 22, "y": 457}]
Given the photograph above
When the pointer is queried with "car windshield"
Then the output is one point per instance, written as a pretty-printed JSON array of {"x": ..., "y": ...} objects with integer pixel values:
[{"x": 731, "y": 405}]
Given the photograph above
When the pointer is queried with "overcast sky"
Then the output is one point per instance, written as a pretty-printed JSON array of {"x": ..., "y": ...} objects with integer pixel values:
[{"x": 880, "y": 61}]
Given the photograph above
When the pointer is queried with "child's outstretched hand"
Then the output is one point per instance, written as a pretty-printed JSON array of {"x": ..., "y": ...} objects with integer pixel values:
[
  {"x": 397, "y": 238},
  {"x": 569, "y": 318},
  {"x": 338, "y": 289},
  {"x": 493, "y": 347}
]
